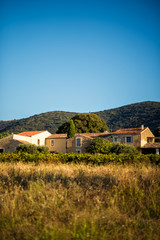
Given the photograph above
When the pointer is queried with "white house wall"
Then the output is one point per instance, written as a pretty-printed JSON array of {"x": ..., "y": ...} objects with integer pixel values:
[
  {"x": 34, "y": 139},
  {"x": 41, "y": 137},
  {"x": 23, "y": 138}
]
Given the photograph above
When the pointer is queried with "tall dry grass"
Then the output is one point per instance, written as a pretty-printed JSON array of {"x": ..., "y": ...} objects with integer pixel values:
[{"x": 69, "y": 201}]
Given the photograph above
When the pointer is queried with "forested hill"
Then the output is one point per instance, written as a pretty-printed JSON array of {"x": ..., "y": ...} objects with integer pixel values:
[
  {"x": 50, "y": 121},
  {"x": 132, "y": 115}
]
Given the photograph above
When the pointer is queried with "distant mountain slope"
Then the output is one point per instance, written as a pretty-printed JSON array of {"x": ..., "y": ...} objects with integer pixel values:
[
  {"x": 45, "y": 121},
  {"x": 132, "y": 115}
]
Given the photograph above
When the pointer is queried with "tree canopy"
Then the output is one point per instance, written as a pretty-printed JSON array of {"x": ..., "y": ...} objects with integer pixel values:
[
  {"x": 157, "y": 133},
  {"x": 85, "y": 122},
  {"x": 99, "y": 145}
]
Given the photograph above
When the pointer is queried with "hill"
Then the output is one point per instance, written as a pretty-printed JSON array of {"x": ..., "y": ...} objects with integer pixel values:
[
  {"x": 50, "y": 121},
  {"x": 132, "y": 115}
]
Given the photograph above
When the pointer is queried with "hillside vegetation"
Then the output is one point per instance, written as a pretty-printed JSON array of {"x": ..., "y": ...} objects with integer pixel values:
[{"x": 132, "y": 115}]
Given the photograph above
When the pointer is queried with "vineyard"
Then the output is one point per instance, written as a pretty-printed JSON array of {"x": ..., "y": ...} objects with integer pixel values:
[{"x": 96, "y": 159}]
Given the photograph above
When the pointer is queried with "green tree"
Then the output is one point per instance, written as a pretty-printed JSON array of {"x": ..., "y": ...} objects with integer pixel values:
[
  {"x": 85, "y": 122},
  {"x": 4, "y": 134},
  {"x": 123, "y": 148},
  {"x": 157, "y": 133},
  {"x": 71, "y": 131},
  {"x": 100, "y": 145}
]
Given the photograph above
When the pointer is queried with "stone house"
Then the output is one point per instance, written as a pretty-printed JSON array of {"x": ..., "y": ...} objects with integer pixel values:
[
  {"x": 77, "y": 144},
  {"x": 10, "y": 143},
  {"x": 56, "y": 143},
  {"x": 136, "y": 137},
  {"x": 141, "y": 138}
]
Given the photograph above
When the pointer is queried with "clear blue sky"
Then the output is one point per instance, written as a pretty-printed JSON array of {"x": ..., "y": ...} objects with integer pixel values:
[{"x": 79, "y": 55}]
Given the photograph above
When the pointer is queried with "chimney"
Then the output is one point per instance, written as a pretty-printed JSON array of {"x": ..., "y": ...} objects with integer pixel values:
[{"x": 142, "y": 126}]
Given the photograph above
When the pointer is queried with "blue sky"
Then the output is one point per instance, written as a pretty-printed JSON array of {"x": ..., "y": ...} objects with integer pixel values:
[{"x": 79, "y": 56}]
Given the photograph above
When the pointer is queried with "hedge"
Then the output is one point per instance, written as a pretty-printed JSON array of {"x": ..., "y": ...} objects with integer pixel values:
[{"x": 87, "y": 158}]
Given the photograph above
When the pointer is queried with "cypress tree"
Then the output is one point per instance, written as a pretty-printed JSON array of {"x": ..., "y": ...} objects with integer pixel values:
[{"x": 71, "y": 131}]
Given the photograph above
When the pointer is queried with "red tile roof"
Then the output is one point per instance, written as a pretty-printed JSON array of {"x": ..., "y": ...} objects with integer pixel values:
[
  {"x": 128, "y": 130},
  {"x": 30, "y": 133},
  {"x": 78, "y": 134},
  {"x": 93, "y": 134},
  {"x": 151, "y": 145},
  {"x": 57, "y": 136}
]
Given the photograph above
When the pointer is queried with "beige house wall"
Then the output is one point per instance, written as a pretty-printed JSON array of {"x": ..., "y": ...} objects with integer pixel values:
[
  {"x": 59, "y": 145},
  {"x": 144, "y": 135},
  {"x": 71, "y": 144},
  {"x": 136, "y": 139}
]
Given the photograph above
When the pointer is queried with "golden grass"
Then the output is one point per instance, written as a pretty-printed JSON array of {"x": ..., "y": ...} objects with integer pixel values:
[{"x": 77, "y": 201}]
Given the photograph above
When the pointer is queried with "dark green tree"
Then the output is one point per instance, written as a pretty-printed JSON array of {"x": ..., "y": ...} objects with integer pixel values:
[
  {"x": 85, "y": 123},
  {"x": 157, "y": 133},
  {"x": 71, "y": 131},
  {"x": 100, "y": 145}
]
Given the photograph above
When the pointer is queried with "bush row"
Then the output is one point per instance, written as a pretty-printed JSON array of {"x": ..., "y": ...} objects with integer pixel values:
[{"x": 77, "y": 158}]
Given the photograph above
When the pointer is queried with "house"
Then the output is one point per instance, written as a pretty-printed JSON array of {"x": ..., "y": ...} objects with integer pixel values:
[
  {"x": 56, "y": 143},
  {"x": 10, "y": 143},
  {"x": 141, "y": 138},
  {"x": 33, "y": 137},
  {"x": 81, "y": 141},
  {"x": 77, "y": 144},
  {"x": 136, "y": 137}
]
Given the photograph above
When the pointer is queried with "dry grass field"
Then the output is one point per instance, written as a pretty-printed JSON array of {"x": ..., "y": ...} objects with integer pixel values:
[{"x": 77, "y": 201}]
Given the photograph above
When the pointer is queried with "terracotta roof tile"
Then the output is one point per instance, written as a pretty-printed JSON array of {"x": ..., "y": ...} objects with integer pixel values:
[
  {"x": 128, "y": 130},
  {"x": 57, "y": 136},
  {"x": 77, "y": 134},
  {"x": 30, "y": 133},
  {"x": 152, "y": 145},
  {"x": 93, "y": 134}
]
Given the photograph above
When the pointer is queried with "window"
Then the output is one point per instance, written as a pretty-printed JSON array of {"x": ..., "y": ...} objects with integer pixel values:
[
  {"x": 149, "y": 139},
  {"x": 128, "y": 139},
  {"x": 52, "y": 143},
  {"x": 38, "y": 141},
  {"x": 116, "y": 139},
  {"x": 1, "y": 150},
  {"x": 78, "y": 142}
]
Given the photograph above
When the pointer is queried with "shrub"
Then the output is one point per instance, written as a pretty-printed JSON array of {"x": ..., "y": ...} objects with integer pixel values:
[
  {"x": 99, "y": 145},
  {"x": 32, "y": 148},
  {"x": 123, "y": 148},
  {"x": 43, "y": 149}
]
